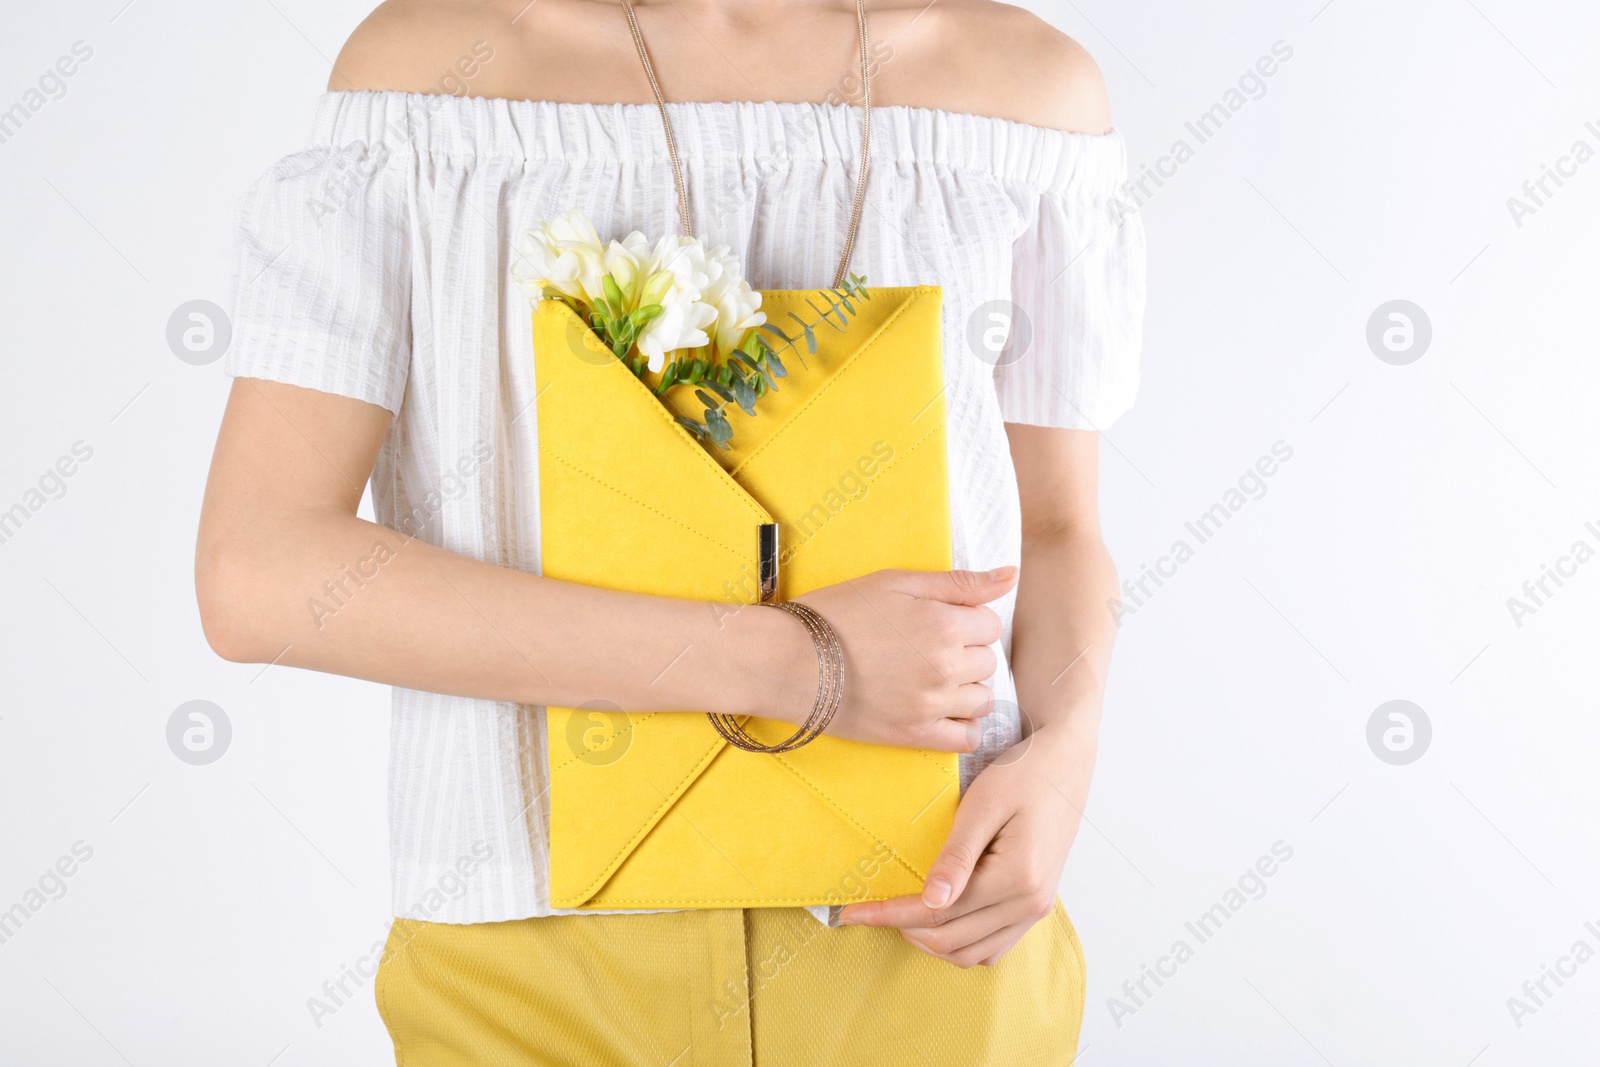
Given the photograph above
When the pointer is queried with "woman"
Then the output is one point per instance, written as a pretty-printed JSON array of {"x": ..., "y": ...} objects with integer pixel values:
[{"x": 379, "y": 336}]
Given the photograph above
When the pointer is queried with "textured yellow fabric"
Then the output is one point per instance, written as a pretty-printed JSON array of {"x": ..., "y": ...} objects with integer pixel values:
[
  {"x": 764, "y": 987},
  {"x": 848, "y": 456}
]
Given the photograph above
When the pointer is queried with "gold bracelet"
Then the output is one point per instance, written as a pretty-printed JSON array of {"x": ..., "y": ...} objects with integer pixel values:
[{"x": 830, "y": 687}]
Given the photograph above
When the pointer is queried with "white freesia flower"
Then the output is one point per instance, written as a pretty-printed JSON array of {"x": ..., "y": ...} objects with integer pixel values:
[
  {"x": 675, "y": 276},
  {"x": 738, "y": 306},
  {"x": 628, "y": 262},
  {"x": 703, "y": 298},
  {"x": 564, "y": 256}
]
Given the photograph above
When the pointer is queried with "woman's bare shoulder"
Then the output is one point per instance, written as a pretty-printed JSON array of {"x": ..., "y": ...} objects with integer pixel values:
[
  {"x": 428, "y": 46},
  {"x": 994, "y": 59}
]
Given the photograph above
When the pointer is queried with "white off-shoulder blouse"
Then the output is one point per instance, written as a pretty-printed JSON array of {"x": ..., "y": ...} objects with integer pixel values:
[{"x": 376, "y": 263}]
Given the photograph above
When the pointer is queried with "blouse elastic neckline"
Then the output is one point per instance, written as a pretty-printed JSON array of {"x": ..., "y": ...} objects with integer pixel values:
[{"x": 469, "y": 130}]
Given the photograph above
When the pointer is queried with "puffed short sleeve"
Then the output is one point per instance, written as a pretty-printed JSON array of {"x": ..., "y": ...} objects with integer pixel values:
[
  {"x": 322, "y": 273},
  {"x": 1078, "y": 290}
]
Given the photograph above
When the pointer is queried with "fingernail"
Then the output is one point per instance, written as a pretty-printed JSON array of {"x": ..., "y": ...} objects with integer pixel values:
[
  {"x": 936, "y": 894},
  {"x": 1002, "y": 574}
]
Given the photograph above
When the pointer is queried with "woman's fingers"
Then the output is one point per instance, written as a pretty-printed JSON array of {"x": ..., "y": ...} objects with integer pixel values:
[
  {"x": 974, "y": 663},
  {"x": 974, "y": 626},
  {"x": 971, "y": 700},
  {"x": 983, "y": 923},
  {"x": 979, "y": 819},
  {"x": 955, "y": 587},
  {"x": 961, "y": 730},
  {"x": 953, "y": 735},
  {"x": 986, "y": 949},
  {"x": 952, "y": 934},
  {"x": 919, "y": 646}
]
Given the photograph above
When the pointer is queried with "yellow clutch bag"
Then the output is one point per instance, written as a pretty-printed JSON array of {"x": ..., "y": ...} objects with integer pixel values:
[{"x": 848, "y": 458}]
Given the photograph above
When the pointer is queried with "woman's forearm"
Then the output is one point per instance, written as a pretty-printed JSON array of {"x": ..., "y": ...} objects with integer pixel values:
[
  {"x": 286, "y": 572},
  {"x": 1062, "y": 634},
  {"x": 331, "y": 592}
]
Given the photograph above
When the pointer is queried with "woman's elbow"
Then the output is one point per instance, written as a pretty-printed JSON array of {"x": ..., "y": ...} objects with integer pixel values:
[{"x": 222, "y": 591}]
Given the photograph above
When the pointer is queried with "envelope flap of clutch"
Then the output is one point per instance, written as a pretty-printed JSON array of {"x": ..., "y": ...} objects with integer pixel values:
[{"x": 848, "y": 457}]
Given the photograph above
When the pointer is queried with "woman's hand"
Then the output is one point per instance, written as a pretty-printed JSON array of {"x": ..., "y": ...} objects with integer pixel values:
[
  {"x": 999, "y": 871},
  {"x": 916, "y": 651}
]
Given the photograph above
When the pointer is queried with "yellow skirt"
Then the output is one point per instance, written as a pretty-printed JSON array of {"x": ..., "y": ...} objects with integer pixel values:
[{"x": 727, "y": 988}]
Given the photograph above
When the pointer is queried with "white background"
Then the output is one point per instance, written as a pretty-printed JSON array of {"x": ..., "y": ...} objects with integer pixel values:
[{"x": 1375, "y": 166}]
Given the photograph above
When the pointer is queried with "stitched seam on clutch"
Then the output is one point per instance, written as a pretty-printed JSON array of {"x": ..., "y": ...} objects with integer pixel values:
[
  {"x": 736, "y": 902},
  {"x": 632, "y": 725},
  {"x": 786, "y": 765},
  {"x": 829, "y": 384},
  {"x": 731, "y": 902},
  {"x": 845, "y": 815},
  {"x": 956, "y": 778},
  {"x": 742, "y": 556},
  {"x": 668, "y": 799},
  {"x": 671, "y": 420}
]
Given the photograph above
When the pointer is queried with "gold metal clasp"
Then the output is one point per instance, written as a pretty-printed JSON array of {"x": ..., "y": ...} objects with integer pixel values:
[{"x": 767, "y": 560}]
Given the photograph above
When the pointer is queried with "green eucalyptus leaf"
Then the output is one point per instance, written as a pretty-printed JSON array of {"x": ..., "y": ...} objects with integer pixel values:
[
  {"x": 757, "y": 369},
  {"x": 718, "y": 426},
  {"x": 770, "y": 328},
  {"x": 744, "y": 395},
  {"x": 706, "y": 399},
  {"x": 822, "y": 316},
  {"x": 721, "y": 390},
  {"x": 776, "y": 364},
  {"x": 769, "y": 354}
]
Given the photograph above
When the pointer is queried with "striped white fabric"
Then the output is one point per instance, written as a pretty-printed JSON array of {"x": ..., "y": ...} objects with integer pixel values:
[{"x": 375, "y": 264}]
